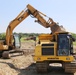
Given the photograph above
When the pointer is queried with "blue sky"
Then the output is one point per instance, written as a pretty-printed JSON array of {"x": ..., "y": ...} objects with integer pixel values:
[{"x": 62, "y": 11}]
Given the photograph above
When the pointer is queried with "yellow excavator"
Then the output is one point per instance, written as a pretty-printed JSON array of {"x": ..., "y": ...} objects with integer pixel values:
[{"x": 56, "y": 47}]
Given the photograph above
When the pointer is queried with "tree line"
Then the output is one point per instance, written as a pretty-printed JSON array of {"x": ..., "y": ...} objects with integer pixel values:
[{"x": 2, "y": 35}]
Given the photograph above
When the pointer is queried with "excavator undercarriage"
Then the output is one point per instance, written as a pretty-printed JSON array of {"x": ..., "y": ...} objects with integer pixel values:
[
  {"x": 70, "y": 67},
  {"x": 42, "y": 67}
]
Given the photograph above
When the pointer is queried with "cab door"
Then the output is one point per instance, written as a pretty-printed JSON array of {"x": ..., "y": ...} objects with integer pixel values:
[
  {"x": 63, "y": 45},
  {"x": 17, "y": 42}
]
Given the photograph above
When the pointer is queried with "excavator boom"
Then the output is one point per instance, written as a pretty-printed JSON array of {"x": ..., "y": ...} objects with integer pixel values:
[
  {"x": 13, "y": 24},
  {"x": 36, "y": 14}
]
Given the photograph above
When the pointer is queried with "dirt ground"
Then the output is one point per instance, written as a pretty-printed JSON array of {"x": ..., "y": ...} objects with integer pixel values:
[{"x": 24, "y": 64}]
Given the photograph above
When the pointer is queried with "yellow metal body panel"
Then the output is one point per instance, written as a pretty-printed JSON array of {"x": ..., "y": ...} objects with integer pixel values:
[
  {"x": 44, "y": 41},
  {"x": 3, "y": 47},
  {"x": 45, "y": 37},
  {"x": 54, "y": 58},
  {"x": 38, "y": 48}
]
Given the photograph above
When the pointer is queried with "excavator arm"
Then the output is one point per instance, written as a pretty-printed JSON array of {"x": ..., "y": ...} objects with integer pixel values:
[
  {"x": 36, "y": 14},
  {"x": 13, "y": 24}
]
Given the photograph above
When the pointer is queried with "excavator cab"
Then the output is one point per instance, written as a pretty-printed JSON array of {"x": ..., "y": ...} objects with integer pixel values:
[
  {"x": 65, "y": 45},
  {"x": 17, "y": 42}
]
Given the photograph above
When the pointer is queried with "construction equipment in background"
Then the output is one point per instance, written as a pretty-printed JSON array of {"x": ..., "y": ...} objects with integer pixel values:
[{"x": 56, "y": 47}]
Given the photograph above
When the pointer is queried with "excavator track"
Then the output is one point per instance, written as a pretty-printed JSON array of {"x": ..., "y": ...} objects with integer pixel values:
[
  {"x": 1, "y": 52},
  {"x": 70, "y": 67},
  {"x": 42, "y": 67}
]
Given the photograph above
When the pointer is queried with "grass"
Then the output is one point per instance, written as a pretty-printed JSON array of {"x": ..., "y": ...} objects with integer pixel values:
[
  {"x": 74, "y": 43},
  {"x": 23, "y": 39}
]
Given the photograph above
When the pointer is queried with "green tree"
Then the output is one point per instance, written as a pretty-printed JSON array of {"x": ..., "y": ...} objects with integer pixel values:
[{"x": 2, "y": 36}]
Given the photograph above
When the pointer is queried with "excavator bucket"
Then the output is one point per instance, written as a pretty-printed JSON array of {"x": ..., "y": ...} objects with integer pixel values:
[{"x": 56, "y": 28}]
